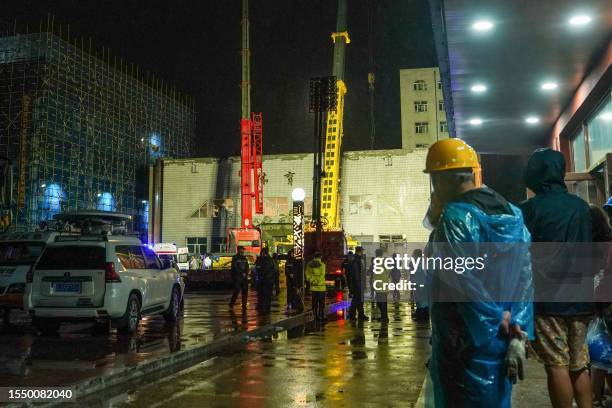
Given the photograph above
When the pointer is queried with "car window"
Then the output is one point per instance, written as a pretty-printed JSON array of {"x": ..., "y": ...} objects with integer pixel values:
[
  {"x": 73, "y": 257},
  {"x": 150, "y": 259},
  {"x": 24, "y": 253},
  {"x": 130, "y": 256}
]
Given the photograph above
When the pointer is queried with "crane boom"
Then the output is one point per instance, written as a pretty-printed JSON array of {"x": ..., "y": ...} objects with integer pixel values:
[
  {"x": 251, "y": 163},
  {"x": 245, "y": 85},
  {"x": 334, "y": 131},
  {"x": 251, "y": 171}
]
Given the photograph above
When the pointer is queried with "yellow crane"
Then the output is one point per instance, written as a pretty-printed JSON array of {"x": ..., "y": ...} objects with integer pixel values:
[{"x": 330, "y": 181}]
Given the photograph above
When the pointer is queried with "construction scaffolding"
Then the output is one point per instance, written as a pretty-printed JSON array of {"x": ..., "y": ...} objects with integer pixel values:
[{"x": 80, "y": 128}]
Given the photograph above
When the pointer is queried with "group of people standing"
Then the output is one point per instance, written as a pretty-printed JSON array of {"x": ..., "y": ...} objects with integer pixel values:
[
  {"x": 482, "y": 320},
  {"x": 525, "y": 293},
  {"x": 267, "y": 280}
]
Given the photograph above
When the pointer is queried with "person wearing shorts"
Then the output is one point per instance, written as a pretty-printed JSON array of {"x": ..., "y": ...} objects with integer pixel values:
[
  {"x": 558, "y": 221},
  {"x": 560, "y": 341}
]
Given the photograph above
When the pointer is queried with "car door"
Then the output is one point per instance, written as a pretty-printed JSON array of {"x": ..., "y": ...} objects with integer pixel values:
[
  {"x": 132, "y": 259},
  {"x": 159, "y": 277}
]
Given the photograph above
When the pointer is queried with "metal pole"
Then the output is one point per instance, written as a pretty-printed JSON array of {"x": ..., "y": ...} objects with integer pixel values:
[{"x": 298, "y": 243}]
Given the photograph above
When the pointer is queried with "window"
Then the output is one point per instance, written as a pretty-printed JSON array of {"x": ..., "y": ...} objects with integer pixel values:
[
  {"x": 439, "y": 84},
  {"x": 197, "y": 245},
  {"x": 73, "y": 257},
  {"x": 578, "y": 151},
  {"x": 419, "y": 85},
  {"x": 218, "y": 244},
  {"x": 202, "y": 211},
  {"x": 387, "y": 239},
  {"x": 19, "y": 253},
  {"x": 150, "y": 258},
  {"x": 421, "y": 127},
  {"x": 441, "y": 106},
  {"x": 215, "y": 208},
  {"x": 443, "y": 127},
  {"x": 130, "y": 256},
  {"x": 420, "y": 106},
  {"x": 599, "y": 126}
]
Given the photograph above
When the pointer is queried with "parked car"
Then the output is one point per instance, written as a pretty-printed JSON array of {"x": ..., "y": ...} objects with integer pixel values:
[
  {"x": 103, "y": 278},
  {"x": 18, "y": 252}
]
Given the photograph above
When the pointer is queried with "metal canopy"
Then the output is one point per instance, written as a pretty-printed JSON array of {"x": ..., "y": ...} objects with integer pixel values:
[{"x": 530, "y": 43}]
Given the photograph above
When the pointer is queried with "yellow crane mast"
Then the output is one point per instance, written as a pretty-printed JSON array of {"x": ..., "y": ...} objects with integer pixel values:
[{"x": 330, "y": 188}]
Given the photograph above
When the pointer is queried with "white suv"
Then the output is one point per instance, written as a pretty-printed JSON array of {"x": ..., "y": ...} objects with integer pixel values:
[{"x": 101, "y": 278}]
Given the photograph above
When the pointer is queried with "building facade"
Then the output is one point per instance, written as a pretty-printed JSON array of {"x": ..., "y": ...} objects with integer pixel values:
[
  {"x": 79, "y": 130},
  {"x": 422, "y": 106},
  {"x": 583, "y": 133},
  {"x": 384, "y": 196}
]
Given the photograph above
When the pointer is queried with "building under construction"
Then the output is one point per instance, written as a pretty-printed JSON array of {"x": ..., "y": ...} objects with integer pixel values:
[{"x": 79, "y": 129}]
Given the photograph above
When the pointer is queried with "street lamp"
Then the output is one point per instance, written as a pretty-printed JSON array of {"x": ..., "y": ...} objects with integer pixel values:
[{"x": 298, "y": 194}]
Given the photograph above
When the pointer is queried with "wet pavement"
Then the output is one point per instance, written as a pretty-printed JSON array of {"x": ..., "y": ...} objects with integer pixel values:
[
  {"x": 76, "y": 353},
  {"x": 340, "y": 364}
]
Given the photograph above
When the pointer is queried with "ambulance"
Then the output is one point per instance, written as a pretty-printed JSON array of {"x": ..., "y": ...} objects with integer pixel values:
[{"x": 179, "y": 256}]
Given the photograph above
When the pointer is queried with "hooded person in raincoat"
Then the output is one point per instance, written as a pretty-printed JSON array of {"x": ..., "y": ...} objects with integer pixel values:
[
  {"x": 561, "y": 229},
  {"x": 475, "y": 313}
]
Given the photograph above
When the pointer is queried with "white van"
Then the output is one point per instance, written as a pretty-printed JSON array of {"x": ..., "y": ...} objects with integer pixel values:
[
  {"x": 18, "y": 252},
  {"x": 179, "y": 256}
]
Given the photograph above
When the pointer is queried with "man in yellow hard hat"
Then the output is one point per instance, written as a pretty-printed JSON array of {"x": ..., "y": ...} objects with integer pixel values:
[{"x": 483, "y": 301}]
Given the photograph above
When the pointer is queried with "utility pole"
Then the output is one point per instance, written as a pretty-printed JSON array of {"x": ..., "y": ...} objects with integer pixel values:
[{"x": 371, "y": 76}]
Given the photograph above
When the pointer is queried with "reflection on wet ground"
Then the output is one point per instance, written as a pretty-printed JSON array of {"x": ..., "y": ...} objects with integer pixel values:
[
  {"x": 341, "y": 363},
  {"x": 75, "y": 353}
]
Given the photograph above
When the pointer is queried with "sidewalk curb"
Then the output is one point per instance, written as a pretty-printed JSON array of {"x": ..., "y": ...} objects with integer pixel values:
[{"x": 180, "y": 360}]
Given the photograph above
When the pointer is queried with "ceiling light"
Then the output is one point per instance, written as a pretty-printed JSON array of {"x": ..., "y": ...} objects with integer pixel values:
[
  {"x": 532, "y": 120},
  {"x": 475, "y": 121},
  {"x": 580, "y": 20},
  {"x": 549, "y": 86},
  {"x": 482, "y": 25},
  {"x": 478, "y": 88},
  {"x": 606, "y": 116}
]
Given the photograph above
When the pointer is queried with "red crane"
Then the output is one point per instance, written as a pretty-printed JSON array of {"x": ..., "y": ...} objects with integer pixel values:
[{"x": 251, "y": 170}]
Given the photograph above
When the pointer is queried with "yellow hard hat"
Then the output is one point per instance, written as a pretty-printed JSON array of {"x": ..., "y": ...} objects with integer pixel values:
[{"x": 449, "y": 154}]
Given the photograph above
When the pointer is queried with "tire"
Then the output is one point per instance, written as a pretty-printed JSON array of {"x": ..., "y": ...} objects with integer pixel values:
[
  {"x": 128, "y": 323},
  {"x": 174, "y": 310},
  {"x": 46, "y": 326}
]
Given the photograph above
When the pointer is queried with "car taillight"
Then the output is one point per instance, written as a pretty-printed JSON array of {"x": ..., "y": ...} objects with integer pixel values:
[
  {"x": 338, "y": 272},
  {"x": 111, "y": 273},
  {"x": 30, "y": 274}
]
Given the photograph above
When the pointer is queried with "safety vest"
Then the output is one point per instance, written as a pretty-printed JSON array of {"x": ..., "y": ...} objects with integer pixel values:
[{"x": 315, "y": 275}]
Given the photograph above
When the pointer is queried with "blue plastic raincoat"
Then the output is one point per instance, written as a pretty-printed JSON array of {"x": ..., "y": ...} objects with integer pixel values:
[{"x": 468, "y": 351}]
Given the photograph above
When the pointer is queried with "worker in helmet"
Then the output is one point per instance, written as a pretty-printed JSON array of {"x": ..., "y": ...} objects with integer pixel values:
[{"x": 476, "y": 312}]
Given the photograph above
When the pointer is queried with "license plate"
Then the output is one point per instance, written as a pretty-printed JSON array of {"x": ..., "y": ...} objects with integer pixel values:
[{"x": 67, "y": 287}]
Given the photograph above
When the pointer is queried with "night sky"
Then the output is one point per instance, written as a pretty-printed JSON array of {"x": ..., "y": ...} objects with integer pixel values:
[{"x": 196, "y": 46}]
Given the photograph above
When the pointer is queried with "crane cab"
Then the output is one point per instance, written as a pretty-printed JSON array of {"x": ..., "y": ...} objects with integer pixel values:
[{"x": 249, "y": 238}]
